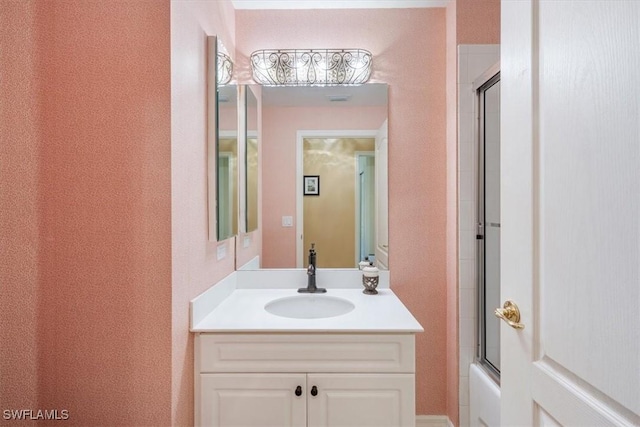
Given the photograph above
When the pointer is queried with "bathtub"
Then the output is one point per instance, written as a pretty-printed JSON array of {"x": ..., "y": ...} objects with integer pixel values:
[{"x": 484, "y": 398}]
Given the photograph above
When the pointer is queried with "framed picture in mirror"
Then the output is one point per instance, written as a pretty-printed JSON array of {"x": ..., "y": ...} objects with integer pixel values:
[{"x": 311, "y": 185}]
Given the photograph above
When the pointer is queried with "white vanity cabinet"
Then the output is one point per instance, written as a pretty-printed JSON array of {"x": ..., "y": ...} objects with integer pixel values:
[
  {"x": 358, "y": 400},
  {"x": 252, "y": 400},
  {"x": 316, "y": 380}
]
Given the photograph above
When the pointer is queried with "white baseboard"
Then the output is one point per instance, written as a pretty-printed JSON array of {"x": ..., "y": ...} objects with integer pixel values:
[{"x": 433, "y": 421}]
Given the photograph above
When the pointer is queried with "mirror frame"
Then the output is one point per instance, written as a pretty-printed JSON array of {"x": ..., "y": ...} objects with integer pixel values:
[{"x": 212, "y": 135}]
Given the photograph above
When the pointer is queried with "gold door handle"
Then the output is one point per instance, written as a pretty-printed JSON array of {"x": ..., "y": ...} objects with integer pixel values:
[{"x": 510, "y": 314}]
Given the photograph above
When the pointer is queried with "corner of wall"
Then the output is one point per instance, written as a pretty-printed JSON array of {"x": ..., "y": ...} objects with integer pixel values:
[
  {"x": 452, "y": 214},
  {"x": 195, "y": 266}
]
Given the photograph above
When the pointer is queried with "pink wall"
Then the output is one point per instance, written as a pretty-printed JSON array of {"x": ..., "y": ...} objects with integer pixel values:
[
  {"x": 279, "y": 183},
  {"x": 477, "y": 21},
  {"x": 409, "y": 54},
  {"x": 104, "y": 317},
  {"x": 88, "y": 228},
  {"x": 20, "y": 140},
  {"x": 195, "y": 267},
  {"x": 228, "y": 118}
]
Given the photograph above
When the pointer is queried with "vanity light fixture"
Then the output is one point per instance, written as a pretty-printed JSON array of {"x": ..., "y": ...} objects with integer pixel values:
[
  {"x": 224, "y": 69},
  {"x": 311, "y": 67}
]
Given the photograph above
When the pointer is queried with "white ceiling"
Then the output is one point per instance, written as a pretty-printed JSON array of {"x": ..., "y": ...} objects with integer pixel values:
[{"x": 336, "y": 4}]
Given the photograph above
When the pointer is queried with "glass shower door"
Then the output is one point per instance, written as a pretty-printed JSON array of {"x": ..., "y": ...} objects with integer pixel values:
[{"x": 489, "y": 224}]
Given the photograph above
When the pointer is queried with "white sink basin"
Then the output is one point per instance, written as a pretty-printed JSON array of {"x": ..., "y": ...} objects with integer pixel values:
[{"x": 309, "y": 306}]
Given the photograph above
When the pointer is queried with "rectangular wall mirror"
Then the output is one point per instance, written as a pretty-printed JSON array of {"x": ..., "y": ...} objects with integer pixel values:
[
  {"x": 339, "y": 135},
  {"x": 222, "y": 149}
]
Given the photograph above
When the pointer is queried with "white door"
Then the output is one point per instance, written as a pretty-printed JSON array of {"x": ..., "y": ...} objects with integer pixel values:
[
  {"x": 253, "y": 400},
  {"x": 361, "y": 400},
  {"x": 571, "y": 212},
  {"x": 382, "y": 196}
]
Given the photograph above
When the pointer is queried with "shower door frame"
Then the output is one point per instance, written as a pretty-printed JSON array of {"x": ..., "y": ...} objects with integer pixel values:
[{"x": 485, "y": 81}]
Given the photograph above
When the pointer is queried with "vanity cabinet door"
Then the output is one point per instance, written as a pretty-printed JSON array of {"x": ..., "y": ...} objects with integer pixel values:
[
  {"x": 253, "y": 400},
  {"x": 361, "y": 400}
]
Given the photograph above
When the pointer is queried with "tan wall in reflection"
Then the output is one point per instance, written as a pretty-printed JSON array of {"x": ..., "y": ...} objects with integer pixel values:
[
  {"x": 329, "y": 219},
  {"x": 229, "y": 146},
  {"x": 252, "y": 184}
]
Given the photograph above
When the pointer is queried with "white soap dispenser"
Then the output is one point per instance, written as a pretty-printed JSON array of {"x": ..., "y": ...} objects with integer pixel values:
[{"x": 370, "y": 278}]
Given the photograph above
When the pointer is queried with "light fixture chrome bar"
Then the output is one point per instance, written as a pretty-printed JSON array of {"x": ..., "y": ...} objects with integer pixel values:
[{"x": 311, "y": 67}]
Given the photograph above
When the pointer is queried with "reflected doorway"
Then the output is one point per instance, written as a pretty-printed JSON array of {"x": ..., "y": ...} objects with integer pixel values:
[
  {"x": 340, "y": 216},
  {"x": 365, "y": 206}
]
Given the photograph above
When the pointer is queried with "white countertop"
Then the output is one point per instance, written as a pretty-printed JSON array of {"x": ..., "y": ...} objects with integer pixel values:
[{"x": 242, "y": 310}]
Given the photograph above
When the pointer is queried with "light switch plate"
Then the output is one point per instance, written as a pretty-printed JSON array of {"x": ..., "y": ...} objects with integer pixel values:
[
  {"x": 287, "y": 221},
  {"x": 246, "y": 242},
  {"x": 221, "y": 252}
]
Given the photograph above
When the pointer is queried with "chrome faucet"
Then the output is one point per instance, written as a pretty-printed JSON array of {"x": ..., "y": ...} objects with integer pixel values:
[{"x": 311, "y": 274}]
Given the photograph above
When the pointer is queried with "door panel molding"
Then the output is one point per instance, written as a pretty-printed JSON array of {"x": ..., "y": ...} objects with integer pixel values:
[{"x": 552, "y": 384}]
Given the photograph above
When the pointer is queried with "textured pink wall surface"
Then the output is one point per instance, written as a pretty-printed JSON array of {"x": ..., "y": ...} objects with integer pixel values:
[
  {"x": 104, "y": 312},
  {"x": 409, "y": 54},
  {"x": 20, "y": 140},
  {"x": 279, "y": 172},
  {"x": 86, "y": 211},
  {"x": 478, "y": 21},
  {"x": 195, "y": 266},
  {"x": 452, "y": 216}
]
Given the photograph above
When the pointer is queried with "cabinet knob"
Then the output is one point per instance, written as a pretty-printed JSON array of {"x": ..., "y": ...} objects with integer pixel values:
[
  {"x": 314, "y": 391},
  {"x": 298, "y": 391}
]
